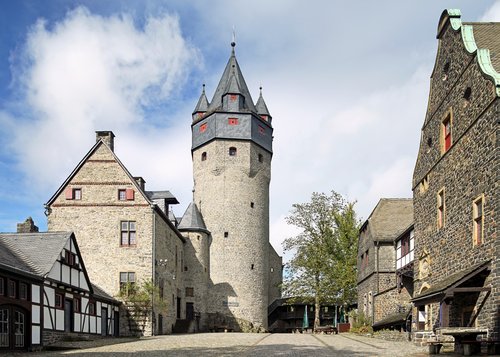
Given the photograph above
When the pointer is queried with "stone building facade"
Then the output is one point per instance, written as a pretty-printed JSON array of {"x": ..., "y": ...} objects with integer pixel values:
[
  {"x": 455, "y": 182},
  {"x": 123, "y": 235},
  {"x": 378, "y": 295},
  {"x": 232, "y": 152},
  {"x": 215, "y": 268}
]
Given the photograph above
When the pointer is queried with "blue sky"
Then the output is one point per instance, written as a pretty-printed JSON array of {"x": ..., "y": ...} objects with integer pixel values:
[{"x": 345, "y": 81}]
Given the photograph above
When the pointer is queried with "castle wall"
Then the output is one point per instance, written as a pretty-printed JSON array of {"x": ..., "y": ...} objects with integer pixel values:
[
  {"x": 232, "y": 193},
  {"x": 467, "y": 170}
]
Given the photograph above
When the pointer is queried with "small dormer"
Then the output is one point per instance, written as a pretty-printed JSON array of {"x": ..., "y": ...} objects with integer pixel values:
[
  {"x": 201, "y": 107},
  {"x": 232, "y": 99}
]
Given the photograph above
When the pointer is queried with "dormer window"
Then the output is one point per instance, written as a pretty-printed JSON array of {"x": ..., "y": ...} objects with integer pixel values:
[{"x": 232, "y": 151}]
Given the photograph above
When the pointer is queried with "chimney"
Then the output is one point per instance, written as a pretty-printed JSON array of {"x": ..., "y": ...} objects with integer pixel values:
[
  {"x": 140, "y": 181},
  {"x": 27, "y": 227},
  {"x": 107, "y": 137}
]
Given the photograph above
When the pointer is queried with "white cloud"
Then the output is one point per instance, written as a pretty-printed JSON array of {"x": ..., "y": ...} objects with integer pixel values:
[{"x": 88, "y": 72}]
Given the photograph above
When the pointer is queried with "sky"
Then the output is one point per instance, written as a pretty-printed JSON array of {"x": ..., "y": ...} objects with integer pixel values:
[{"x": 346, "y": 83}]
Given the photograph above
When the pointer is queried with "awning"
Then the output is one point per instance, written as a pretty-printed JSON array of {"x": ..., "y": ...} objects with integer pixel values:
[{"x": 451, "y": 285}]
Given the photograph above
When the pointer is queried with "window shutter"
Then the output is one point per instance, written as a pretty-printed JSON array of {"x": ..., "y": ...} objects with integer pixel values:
[
  {"x": 69, "y": 193},
  {"x": 130, "y": 194}
]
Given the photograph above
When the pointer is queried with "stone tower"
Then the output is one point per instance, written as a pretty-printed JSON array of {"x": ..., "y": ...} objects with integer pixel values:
[{"x": 231, "y": 152}]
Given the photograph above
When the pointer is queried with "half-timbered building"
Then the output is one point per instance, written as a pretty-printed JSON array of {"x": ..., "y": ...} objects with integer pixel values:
[{"x": 46, "y": 294}]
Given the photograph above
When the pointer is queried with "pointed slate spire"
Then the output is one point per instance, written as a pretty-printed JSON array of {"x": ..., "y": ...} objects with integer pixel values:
[
  {"x": 232, "y": 79},
  {"x": 262, "y": 108},
  {"x": 202, "y": 105},
  {"x": 192, "y": 220}
]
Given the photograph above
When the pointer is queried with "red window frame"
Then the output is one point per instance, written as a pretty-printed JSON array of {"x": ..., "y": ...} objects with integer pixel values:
[
  {"x": 232, "y": 121},
  {"x": 92, "y": 308},
  {"x": 447, "y": 137},
  {"x": 203, "y": 127},
  {"x": 77, "y": 303},
  {"x": 59, "y": 301}
]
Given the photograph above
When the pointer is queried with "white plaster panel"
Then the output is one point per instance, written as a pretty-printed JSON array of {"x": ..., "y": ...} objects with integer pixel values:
[
  {"x": 92, "y": 321},
  {"x": 74, "y": 277},
  {"x": 65, "y": 274},
  {"x": 35, "y": 314},
  {"x": 47, "y": 318},
  {"x": 85, "y": 302},
  {"x": 98, "y": 308},
  {"x": 60, "y": 320},
  {"x": 55, "y": 271},
  {"x": 35, "y": 335},
  {"x": 76, "y": 325},
  {"x": 98, "y": 325},
  {"x": 83, "y": 282},
  {"x": 35, "y": 293},
  {"x": 50, "y": 296}
]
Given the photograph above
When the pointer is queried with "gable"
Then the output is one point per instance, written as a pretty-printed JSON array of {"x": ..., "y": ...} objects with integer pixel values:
[
  {"x": 69, "y": 268},
  {"x": 99, "y": 176}
]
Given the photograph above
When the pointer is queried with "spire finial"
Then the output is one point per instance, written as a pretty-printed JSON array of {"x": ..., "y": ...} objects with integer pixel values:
[
  {"x": 260, "y": 88},
  {"x": 193, "y": 193},
  {"x": 203, "y": 92},
  {"x": 233, "y": 42}
]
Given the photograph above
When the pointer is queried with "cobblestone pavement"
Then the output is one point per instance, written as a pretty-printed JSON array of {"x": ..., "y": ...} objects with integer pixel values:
[{"x": 241, "y": 345}]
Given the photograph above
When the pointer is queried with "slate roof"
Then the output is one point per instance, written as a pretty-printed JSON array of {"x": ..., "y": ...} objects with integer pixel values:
[
  {"x": 450, "y": 280},
  {"x": 202, "y": 105},
  {"x": 487, "y": 35},
  {"x": 157, "y": 195},
  {"x": 390, "y": 218},
  {"x": 192, "y": 220},
  {"x": 232, "y": 81},
  {"x": 32, "y": 253},
  {"x": 261, "y": 105},
  {"x": 398, "y": 317}
]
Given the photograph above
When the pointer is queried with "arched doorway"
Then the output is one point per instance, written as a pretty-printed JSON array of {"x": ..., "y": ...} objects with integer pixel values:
[{"x": 14, "y": 327}]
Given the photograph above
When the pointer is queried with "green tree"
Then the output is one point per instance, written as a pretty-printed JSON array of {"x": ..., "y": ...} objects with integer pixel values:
[{"x": 323, "y": 267}]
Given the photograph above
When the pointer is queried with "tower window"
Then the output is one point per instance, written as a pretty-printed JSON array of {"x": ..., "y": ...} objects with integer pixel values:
[
  {"x": 204, "y": 156},
  {"x": 232, "y": 121},
  {"x": 252, "y": 267},
  {"x": 252, "y": 204},
  {"x": 440, "y": 208},
  {"x": 446, "y": 70},
  {"x": 261, "y": 158},
  {"x": 446, "y": 133},
  {"x": 467, "y": 94},
  {"x": 203, "y": 127},
  {"x": 478, "y": 221},
  {"x": 232, "y": 151},
  {"x": 226, "y": 234}
]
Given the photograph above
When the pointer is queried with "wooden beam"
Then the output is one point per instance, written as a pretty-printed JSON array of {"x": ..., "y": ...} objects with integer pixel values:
[{"x": 470, "y": 289}]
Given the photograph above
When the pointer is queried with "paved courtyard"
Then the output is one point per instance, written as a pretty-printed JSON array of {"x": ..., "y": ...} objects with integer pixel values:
[{"x": 242, "y": 345}]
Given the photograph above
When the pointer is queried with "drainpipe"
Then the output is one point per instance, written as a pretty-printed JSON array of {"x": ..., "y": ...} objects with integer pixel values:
[
  {"x": 153, "y": 268},
  {"x": 377, "y": 243}
]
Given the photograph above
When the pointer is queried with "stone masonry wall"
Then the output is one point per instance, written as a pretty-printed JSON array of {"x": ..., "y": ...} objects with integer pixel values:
[
  {"x": 232, "y": 193},
  {"x": 466, "y": 171}
]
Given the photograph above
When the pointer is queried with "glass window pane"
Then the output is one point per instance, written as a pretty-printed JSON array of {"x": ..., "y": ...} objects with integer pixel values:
[
  {"x": 132, "y": 226},
  {"x": 124, "y": 238},
  {"x": 124, "y": 226},
  {"x": 132, "y": 237},
  {"x": 131, "y": 277},
  {"x": 123, "y": 277}
]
